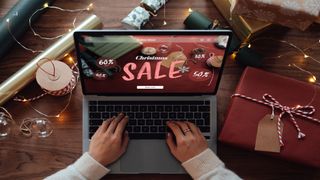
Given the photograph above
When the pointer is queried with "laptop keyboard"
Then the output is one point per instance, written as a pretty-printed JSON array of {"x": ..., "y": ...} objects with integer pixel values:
[{"x": 147, "y": 119}]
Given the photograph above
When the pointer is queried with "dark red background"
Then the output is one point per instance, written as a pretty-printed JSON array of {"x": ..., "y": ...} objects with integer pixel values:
[{"x": 184, "y": 84}]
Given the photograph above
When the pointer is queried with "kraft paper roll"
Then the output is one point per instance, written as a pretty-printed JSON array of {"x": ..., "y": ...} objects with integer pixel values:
[
  {"x": 19, "y": 21},
  {"x": 26, "y": 74}
]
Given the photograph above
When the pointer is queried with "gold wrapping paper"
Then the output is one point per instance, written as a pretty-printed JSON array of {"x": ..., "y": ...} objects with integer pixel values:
[
  {"x": 26, "y": 74},
  {"x": 243, "y": 27}
]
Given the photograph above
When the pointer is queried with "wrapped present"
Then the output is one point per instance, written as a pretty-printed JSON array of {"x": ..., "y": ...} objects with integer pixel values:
[
  {"x": 243, "y": 27},
  {"x": 152, "y": 5},
  {"x": 298, "y": 14},
  {"x": 292, "y": 133},
  {"x": 136, "y": 19}
]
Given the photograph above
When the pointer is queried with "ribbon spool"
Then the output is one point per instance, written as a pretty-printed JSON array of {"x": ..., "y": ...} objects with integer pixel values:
[
  {"x": 197, "y": 20},
  {"x": 56, "y": 78}
]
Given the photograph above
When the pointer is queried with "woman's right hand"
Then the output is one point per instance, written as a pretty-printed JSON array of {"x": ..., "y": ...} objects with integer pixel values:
[{"x": 185, "y": 141}]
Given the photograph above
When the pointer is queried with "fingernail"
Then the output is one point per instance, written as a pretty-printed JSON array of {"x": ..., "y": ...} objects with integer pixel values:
[{"x": 168, "y": 134}]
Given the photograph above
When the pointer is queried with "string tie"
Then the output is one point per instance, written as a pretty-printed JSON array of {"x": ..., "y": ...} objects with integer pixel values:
[{"x": 302, "y": 111}]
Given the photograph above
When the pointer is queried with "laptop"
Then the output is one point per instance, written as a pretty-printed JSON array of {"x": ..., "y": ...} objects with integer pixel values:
[{"x": 152, "y": 76}]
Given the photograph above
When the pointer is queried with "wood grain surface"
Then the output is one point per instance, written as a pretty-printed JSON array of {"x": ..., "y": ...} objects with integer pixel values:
[{"x": 34, "y": 158}]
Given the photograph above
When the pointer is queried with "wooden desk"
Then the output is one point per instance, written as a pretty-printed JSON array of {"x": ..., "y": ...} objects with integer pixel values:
[{"x": 32, "y": 158}]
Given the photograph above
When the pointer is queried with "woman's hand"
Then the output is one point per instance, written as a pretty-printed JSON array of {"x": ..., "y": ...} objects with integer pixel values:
[
  {"x": 110, "y": 141},
  {"x": 188, "y": 141}
]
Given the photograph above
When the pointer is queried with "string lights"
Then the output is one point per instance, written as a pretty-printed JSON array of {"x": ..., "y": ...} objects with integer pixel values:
[
  {"x": 40, "y": 126},
  {"x": 47, "y": 6},
  {"x": 164, "y": 14},
  {"x": 68, "y": 57},
  {"x": 312, "y": 78},
  {"x": 29, "y": 101}
]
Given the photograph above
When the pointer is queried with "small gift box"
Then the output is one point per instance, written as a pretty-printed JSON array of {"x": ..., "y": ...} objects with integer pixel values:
[
  {"x": 298, "y": 14},
  {"x": 244, "y": 27},
  {"x": 276, "y": 115}
]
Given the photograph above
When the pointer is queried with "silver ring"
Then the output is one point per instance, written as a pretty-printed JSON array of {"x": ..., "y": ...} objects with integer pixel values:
[{"x": 186, "y": 130}]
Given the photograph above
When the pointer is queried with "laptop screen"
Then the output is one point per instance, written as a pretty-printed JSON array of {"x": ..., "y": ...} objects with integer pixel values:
[{"x": 150, "y": 63}]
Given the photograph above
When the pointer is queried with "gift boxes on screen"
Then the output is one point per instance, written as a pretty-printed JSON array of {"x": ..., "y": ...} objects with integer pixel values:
[{"x": 276, "y": 115}]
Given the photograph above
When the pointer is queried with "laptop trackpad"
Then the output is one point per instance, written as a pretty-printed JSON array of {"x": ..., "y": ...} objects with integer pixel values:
[{"x": 148, "y": 156}]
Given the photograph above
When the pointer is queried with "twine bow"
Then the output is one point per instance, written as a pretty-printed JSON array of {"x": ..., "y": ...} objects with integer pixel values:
[{"x": 302, "y": 111}]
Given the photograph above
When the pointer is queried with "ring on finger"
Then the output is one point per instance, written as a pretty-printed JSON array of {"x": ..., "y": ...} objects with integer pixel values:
[{"x": 186, "y": 130}]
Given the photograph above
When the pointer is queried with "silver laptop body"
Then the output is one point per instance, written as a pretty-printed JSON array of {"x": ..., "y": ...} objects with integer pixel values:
[{"x": 148, "y": 155}]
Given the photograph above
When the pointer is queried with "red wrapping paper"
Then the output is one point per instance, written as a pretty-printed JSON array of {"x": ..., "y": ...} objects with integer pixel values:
[{"x": 240, "y": 126}]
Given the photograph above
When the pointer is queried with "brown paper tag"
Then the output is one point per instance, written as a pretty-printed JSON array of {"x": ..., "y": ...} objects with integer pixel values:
[{"x": 267, "y": 138}]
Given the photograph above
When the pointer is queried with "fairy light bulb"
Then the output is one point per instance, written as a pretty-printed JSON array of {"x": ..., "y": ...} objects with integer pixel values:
[
  {"x": 90, "y": 7},
  {"x": 164, "y": 23},
  {"x": 24, "y": 100},
  {"x": 233, "y": 56},
  {"x": 249, "y": 45},
  {"x": 69, "y": 30},
  {"x": 8, "y": 20},
  {"x": 46, "y": 5},
  {"x": 306, "y": 56},
  {"x": 58, "y": 115},
  {"x": 190, "y": 10},
  {"x": 312, "y": 79},
  {"x": 70, "y": 59}
]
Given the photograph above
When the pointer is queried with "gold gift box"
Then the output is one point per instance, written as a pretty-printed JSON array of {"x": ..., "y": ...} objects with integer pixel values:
[{"x": 245, "y": 28}]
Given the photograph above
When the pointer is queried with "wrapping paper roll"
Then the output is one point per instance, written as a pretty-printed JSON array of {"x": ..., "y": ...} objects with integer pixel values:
[
  {"x": 19, "y": 21},
  {"x": 26, "y": 74},
  {"x": 136, "y": 18}
]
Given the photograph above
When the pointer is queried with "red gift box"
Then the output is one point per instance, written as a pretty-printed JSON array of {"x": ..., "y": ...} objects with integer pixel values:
[{"x": 240, "y": 126}]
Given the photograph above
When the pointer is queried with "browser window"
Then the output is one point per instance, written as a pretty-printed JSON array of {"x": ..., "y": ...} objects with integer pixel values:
[{"x": 133, "y": 64}]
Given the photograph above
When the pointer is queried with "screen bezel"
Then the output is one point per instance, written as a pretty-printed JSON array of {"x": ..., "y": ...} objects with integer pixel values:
[{"x": 77, "y": 34}]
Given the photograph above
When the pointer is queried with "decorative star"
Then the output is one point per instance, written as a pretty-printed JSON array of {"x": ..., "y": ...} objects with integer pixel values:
[{"x": 184, "y": 69}]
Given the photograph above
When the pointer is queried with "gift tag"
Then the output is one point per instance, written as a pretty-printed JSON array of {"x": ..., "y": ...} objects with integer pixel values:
[{"x": 267, "y": 138}]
